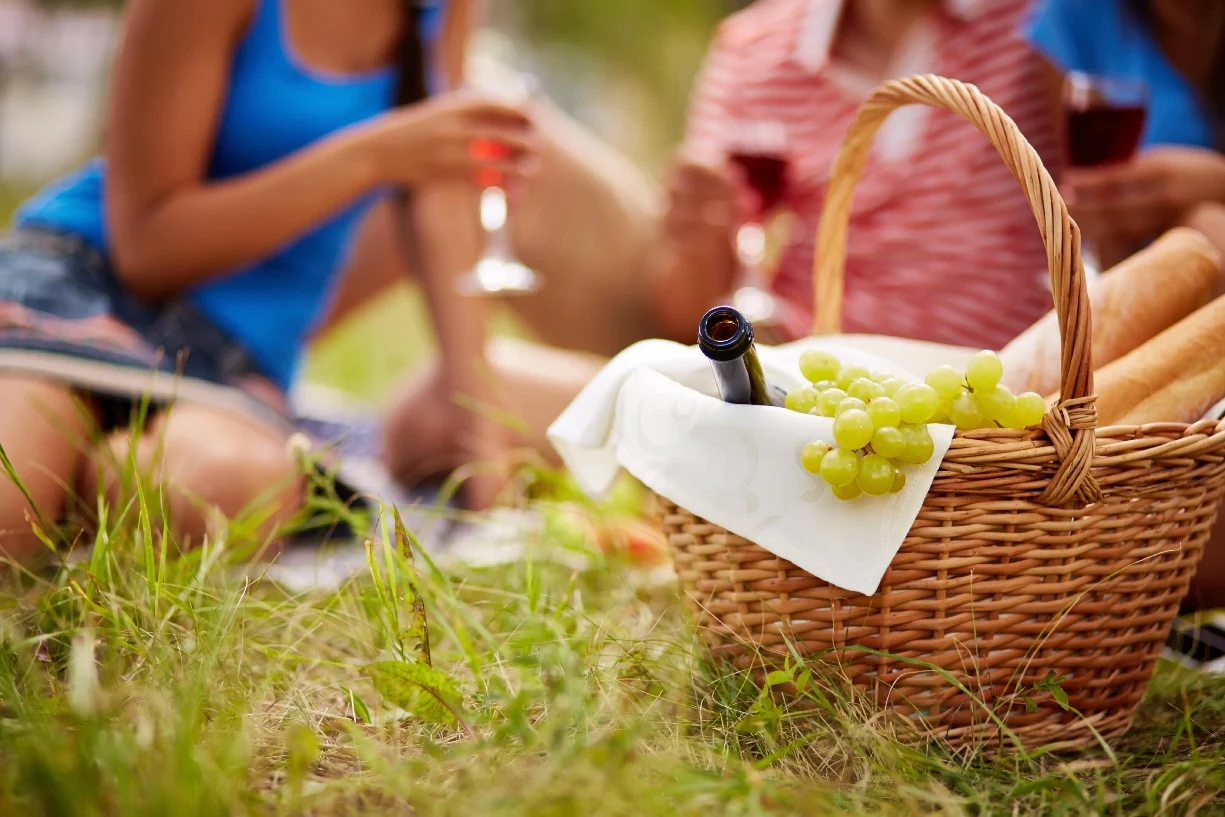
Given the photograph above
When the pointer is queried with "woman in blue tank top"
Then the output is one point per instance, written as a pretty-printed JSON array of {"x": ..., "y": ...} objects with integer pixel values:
[{"x": 246, "y": 139}]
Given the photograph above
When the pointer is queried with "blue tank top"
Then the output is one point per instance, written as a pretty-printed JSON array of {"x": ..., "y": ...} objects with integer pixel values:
[
  {"x": 275, "y": 105},
  {"x": 1102, "y": 37}
]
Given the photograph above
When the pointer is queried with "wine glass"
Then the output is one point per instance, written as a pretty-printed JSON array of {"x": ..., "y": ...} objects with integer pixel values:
[
  {"x": 1105, "y": 120},
  {"x": 499, "y": 271},
  {"x": 759, "y": 151}
]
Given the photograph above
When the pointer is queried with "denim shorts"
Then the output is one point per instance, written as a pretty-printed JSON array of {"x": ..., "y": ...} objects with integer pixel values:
[{"x": 65, "y": 316}]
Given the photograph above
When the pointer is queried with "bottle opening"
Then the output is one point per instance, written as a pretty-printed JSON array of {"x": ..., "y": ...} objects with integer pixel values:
[
  {"x": 724, "y": 333},
  {"x": 724, "y": 329}
]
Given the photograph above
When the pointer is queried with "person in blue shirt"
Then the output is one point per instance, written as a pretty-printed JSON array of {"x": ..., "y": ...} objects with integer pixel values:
[
  {"x": 1177, "y": 48},
  {"x": 1178, "y": 175},
  {"x": 246, "y": 142}
]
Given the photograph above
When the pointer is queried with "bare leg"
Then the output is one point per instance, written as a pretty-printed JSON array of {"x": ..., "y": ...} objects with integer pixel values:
[
  {"x": 587, "y": 221},
  {"x": 43, "y": 431},
  {"x": 208, "y": 464}
]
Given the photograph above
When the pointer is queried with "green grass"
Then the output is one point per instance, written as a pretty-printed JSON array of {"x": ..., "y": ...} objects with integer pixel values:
[{"x": 138, "y": 682}]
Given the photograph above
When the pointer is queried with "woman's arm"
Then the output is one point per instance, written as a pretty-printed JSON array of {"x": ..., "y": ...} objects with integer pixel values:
[
  {"x": 462, "y": 18},
  {"x": 170, "y": 228}
]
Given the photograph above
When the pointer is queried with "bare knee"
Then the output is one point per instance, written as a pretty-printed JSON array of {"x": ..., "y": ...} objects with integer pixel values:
[
  {"x": 204, "y": 464},
  {"x": 42, "y": 429}
]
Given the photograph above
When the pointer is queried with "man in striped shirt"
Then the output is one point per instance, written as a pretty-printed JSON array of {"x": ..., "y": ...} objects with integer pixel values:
[{"x": 942, "y": 245}]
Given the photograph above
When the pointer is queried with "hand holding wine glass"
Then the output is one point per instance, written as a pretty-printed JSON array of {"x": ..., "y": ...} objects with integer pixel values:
[
  {"x": 758, "y": 150},
  {"x": 433, "y": 139},
  {"x": 498, "y": 271},
  {"x": 1104, "y": 123}
]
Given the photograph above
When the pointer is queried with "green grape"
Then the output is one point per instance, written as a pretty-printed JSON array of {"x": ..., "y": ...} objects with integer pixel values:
[
  {"x": 919, "y": 445},
  {"x": 899, "y": 480},
  {"x": 823, "y": 385},
  {"x": 997, "y": 403},
  {"x": 827, "y": 403},
  {"x": 888, "y": 442},
  {"x": 965, "y": 413},
  {"x": 853, "y": 429},
  {"x": 880, "y": 377},
  {"x": 884, "y": 412},
  {"x": 984, "y": 371},
  {"x": 890, "y": 385},
  {"x": 875, "y": 476},
  {"x": 918, "y": 402},
  {"x": 839, "y": 467},
  {"x": 850, "y": 404},
  {"x": 803, "y": 399},
  {"x": 946, "y": 380},
  {"x": 817, "y": 364},
  {"x": 847, "y": 492},
  {"x": 1030, "y": 409},
  {"x": 848, "y": 375},
  {"x": 942, "y": 412},
  {"x": 813, "y": 453},
  {"x": 865, "y": 390}
]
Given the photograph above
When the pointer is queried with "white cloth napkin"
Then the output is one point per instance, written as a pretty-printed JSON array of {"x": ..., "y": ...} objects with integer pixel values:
[{"x": 653, "y": 410}]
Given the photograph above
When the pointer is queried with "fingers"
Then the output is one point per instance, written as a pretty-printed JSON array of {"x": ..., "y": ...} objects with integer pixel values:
[
  {"x": 701, "y": 201},
  {"x": 501, "y": 150},
  {"x": 1119, "y": 203},
  {"x": 1123, "y": 221},
  {"x": 487, "y": 112},
  {"x": 700, "y": 181}
]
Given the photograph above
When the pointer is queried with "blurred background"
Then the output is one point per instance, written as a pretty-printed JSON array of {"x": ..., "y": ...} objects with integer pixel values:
[{"x": 622, "y": 67}]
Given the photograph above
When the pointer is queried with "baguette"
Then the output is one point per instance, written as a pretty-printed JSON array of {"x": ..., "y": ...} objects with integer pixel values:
[
  {"x": 1175, "y": 377},
  {"x": 1145, "y": 294}
]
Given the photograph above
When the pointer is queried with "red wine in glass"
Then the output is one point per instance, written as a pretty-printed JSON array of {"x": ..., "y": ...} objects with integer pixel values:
[
  {"x": 1105, "y": 118},
  {"x": 1102, "y": 134},
  {"x": 488, "y": 150},
  {"x": 766, "y": 174}
]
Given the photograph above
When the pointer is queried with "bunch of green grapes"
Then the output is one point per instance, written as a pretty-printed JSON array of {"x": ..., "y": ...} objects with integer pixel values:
[
  {"x": 880, "y": 423},
  {"x": 977, "y": 398}
]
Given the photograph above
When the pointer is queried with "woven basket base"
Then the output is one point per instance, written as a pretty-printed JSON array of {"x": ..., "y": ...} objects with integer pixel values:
[{"x": 996, "y": 593}]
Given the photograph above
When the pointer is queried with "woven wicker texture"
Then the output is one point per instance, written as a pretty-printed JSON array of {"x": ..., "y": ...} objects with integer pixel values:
[{"x": 1064, "y": 550}]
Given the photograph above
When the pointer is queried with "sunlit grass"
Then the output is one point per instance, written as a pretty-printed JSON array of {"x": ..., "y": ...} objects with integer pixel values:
[{"x": 134, "y": 682}]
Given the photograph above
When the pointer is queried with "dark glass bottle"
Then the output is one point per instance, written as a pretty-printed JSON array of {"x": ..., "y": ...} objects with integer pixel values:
[{"x": 726, "y": 337}]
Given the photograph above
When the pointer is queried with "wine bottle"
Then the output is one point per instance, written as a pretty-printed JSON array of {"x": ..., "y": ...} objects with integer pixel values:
[{"x": 725, "y": 336}]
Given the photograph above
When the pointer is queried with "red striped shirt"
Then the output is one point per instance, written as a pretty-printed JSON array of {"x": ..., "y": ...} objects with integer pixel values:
[{"x": 942, "y": 245}]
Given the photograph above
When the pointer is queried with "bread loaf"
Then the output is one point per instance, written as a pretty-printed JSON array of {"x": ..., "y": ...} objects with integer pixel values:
[
  {"x": 1175, "y": 377},
  {"x": 1145, "y": 294}
]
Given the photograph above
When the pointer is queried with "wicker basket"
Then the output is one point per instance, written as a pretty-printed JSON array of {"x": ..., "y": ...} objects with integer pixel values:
[{"x": 1065, "y": 549}]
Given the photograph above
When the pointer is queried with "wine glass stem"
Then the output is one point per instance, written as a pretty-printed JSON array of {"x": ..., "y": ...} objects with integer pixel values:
[
  {"x": 1091, "y": 259},
  {"x": 494, "y": 217},
  {"x": 751, "y": 250}
]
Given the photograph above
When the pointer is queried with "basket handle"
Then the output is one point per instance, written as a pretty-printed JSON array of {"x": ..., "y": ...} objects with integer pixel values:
[{"x": 1072, "y": 422}]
